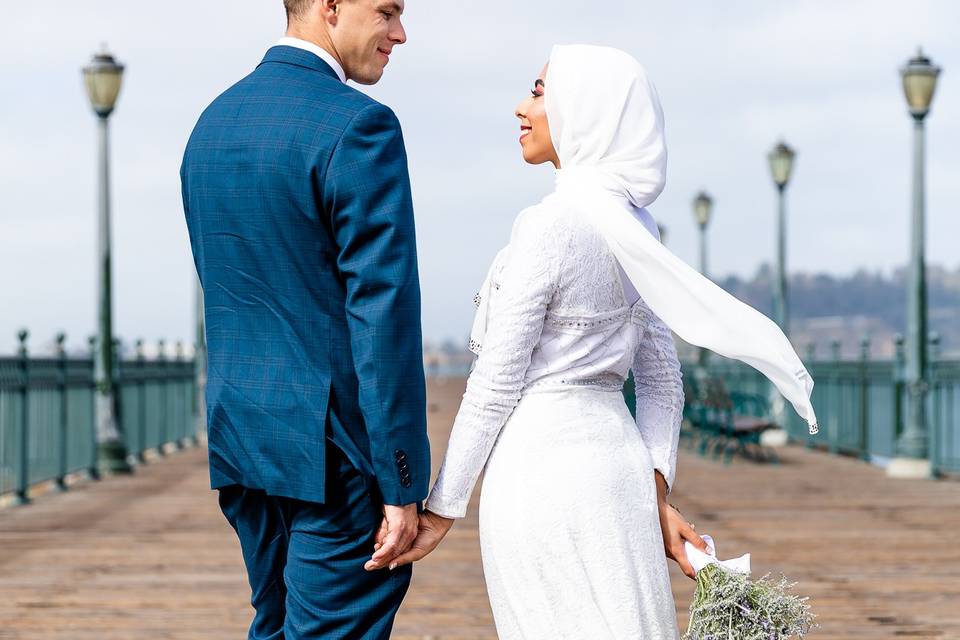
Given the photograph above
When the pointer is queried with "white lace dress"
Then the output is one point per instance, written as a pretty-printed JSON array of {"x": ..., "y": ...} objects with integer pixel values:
[{"x": 569, "y": 527}]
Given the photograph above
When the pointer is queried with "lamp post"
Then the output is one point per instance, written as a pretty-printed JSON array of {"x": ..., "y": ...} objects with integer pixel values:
[
  {"x": 919, "y": 77},
  {"x": 781, "y": 165},
  {"x": 702, "y": 208},
  {"x": 102, "y": 79}
]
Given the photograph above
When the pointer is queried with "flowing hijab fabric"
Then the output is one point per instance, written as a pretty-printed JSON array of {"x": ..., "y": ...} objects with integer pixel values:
[{"x": 607, "y": 127}]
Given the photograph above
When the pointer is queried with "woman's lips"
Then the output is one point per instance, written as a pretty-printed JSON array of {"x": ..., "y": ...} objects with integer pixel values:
[{"x": 523, "y": 132}]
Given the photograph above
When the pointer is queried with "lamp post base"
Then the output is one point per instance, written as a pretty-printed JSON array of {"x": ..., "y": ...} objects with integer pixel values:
[
  {"x": 910, "y": 468},
  {"x": 774, "y": 438},
  {"x": 112, "y": 458}
]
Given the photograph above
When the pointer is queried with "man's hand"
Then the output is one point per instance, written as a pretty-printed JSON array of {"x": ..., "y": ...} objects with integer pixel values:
[
  {"x": 397, "y": 532},
  {"x": 432, "y": 530},
  {"x": 676, "y": 530}
]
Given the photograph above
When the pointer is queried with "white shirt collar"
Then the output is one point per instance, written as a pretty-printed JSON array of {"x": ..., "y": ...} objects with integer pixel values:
[{"x": 320, "y": 52}]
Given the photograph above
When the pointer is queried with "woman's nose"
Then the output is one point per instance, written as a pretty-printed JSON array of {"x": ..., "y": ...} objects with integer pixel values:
[{"x": 521, "y": 111}]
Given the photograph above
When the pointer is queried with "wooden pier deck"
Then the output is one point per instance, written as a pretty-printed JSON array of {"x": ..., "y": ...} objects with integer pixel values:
[{"x": 150, "y": 556}]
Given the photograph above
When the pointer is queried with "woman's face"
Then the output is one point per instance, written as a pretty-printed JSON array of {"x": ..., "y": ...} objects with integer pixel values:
[{"x": 534, "y": 131}]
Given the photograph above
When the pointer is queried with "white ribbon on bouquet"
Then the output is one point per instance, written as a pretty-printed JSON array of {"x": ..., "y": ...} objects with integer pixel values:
[{"x": 698, "y": 559}]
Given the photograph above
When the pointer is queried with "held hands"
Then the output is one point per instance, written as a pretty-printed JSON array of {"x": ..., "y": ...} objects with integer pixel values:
[
  {"x": 676, "y": 530},
  {"x": 397, "y": 532},
  {"x": 432, "y": 529}
]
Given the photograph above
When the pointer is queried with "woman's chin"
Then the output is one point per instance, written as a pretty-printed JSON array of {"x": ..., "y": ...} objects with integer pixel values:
[{"x": 530, "y": 158}]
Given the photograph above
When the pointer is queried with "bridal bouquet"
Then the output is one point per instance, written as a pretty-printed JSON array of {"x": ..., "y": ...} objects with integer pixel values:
[{"x": 729, "y": 606}]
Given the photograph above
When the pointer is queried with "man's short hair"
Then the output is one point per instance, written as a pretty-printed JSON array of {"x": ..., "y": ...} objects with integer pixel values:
[{"x": 296, "y": 8}]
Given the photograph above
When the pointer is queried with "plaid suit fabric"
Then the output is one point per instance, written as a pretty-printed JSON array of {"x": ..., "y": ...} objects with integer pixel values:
[
  {"x": 305, "y": 561},
  {"x": 298, "y": 206}
]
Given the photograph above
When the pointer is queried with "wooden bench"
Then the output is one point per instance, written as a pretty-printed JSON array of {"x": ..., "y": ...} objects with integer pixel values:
[{"x": 726, "y": 422}]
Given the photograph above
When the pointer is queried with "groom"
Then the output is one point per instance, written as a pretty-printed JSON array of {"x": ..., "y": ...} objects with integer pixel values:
[{"x": 298, "y": 205}]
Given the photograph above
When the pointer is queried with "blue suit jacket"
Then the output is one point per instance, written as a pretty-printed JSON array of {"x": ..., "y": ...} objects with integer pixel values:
[{"x": 297, "y": 200}]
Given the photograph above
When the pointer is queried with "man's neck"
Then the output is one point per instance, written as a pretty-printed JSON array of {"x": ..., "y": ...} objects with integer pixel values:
[{"x": 321, "y": 40}]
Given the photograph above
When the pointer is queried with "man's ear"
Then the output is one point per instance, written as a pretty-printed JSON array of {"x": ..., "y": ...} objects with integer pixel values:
[{"x": 328, "y": 10}]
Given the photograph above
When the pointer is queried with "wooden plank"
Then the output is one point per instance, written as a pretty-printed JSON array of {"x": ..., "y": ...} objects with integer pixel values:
[{"x": 152, "y": 557}]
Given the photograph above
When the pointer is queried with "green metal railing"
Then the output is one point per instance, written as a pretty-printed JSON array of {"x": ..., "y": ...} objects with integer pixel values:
[
  {"x": 47, "y": 429},
  {"x": 861, "y": 403}
]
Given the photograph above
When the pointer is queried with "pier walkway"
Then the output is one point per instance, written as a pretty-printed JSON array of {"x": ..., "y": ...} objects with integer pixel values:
[{"x": 151, "y": 557}]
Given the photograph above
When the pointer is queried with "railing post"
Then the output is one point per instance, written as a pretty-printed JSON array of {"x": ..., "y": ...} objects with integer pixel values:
[
  {"x": 23, "y": 469},
  {"x": 141, "y": 405},
  {"x": 61, "y": 480},
  {"x": 196, "y": 394},
  {"x": 181, "y": 400},
  {"x": 119, "y": 407},
  {"x": 833, "y": 425},
  {"x": 936, "y": 388},
  {"x": 162, "y": 409},
  {"x": 864, "y": 399},
  {"x": 835, "y": 350},
  {"x": 93, "y": 470},
  {"x": 899, "y": 379}
]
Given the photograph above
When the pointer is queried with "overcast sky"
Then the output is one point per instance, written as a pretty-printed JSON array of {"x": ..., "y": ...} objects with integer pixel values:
[{"x": 733, "y": 79}]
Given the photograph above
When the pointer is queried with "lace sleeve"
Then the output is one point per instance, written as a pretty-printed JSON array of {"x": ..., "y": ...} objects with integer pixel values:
[
  {"x": 526, "y": 286},
  {"x": 659, "y": 392}
]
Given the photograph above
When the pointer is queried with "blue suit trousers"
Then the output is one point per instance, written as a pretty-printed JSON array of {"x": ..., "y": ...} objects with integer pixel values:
[{"x": 305, "y": 560}]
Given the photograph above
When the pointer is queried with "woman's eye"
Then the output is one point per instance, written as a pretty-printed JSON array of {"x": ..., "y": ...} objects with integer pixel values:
[
  {"x": 387, "y": 14},
  {"x": 536, "y": 94}
]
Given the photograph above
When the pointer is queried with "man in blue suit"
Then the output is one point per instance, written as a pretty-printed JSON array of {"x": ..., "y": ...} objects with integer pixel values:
[{"x": 297, "y": 200}]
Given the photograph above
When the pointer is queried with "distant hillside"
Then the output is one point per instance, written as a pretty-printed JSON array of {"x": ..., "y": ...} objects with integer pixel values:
[{"x": 825, "y": 307}]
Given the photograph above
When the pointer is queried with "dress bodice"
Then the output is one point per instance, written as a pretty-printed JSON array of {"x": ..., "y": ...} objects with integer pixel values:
[
  {"x": 590, "y": 333},
  {"x": 557, "y": 317}
]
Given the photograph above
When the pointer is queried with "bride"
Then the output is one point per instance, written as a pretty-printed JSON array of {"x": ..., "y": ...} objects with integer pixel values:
[{"x": 575, "y": 528}]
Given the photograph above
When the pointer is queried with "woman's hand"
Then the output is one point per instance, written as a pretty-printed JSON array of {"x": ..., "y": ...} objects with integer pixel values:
[{"x": 676, "y": 530}]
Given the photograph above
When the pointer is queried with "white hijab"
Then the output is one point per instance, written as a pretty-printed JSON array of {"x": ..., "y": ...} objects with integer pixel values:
[{"x": 607, "y": 127}]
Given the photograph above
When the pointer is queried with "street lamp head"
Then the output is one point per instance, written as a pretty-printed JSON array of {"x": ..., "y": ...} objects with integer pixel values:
[
  {"x": 919, "y": 81},
  {"x": 781, "y": 164},
  {"x": 102, "y": 79},
  {"x": 702, "y": 206}
]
